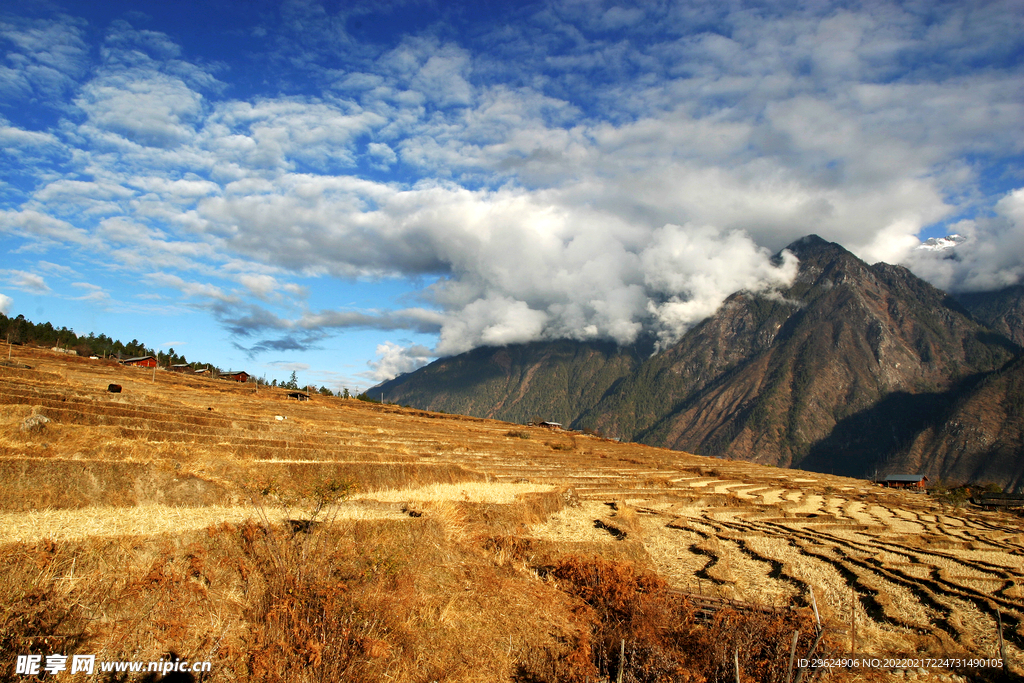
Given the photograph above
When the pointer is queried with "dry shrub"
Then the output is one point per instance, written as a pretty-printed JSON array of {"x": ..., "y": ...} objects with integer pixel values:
[
  {"x": 484, "y": 520},
  {"x": 117, "y": 601},
  {"x": 37, "y": 613},
  {"x": 663, "y": 639},
  {"x": 327, "y": 617}
]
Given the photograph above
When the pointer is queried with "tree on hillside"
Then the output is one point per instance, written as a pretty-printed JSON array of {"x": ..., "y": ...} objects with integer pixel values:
[{"x": 293, "y": 382}]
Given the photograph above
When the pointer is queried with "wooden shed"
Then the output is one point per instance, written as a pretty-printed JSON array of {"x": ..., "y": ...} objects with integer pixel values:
[
  {"x": 298, "y": 395},
  {"x": 180, "y": 367},
  {"x": 235, "y": 375},
  {"x": 140, "y": 362},
  {"x": 906, "y": 481}
]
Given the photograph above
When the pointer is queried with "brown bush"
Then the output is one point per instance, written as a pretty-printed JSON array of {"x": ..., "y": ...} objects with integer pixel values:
[
  {"x": 663, "y": 640},
  {"x": 322, "y": 617},
  {"x": 37, "y": 615}
]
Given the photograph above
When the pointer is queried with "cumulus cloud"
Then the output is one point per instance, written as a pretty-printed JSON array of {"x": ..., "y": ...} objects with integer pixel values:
[
  {"x": 157, "y": 111},
  {"x": 5, "y": 304},
  {"x": 696, "y": 268},
  {"x": 383, "y": 155},
  {"x": 394, "y": 359},
  {"x": 587, "y": 170},
  {"x": 516, "y": 267},
  {"x": 989, "y": 257},
  {"x": 45, "y": 58},
  {"x": 34, "y": 224}
]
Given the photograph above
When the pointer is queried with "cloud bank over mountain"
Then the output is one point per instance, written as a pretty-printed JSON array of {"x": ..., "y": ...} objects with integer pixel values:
[{"x": 559, "y": 169}]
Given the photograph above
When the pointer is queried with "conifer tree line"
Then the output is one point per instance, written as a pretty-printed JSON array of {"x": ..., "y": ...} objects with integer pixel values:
[{"x": 20, "y": 330}]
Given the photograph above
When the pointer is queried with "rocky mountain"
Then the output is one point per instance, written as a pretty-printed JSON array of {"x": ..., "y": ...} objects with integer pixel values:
[
  {"x": 1002, "y": 310},
  {"x": 555, "y": 381},
  {"x": 853, "y": 369},
  {"x": 980, "y": 436}
]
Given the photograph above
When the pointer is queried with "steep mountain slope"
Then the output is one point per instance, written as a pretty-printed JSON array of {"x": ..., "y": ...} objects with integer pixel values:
[
  {"x": 1002, "y": 310},
  {"x": 551, "y": 380},
  {"x": 846, "y": 335},
  {"x": 981, "y": 437},
  {"x": 846, "y": 370}
]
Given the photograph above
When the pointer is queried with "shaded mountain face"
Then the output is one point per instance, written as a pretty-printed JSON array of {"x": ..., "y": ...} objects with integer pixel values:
[
  {"x": 554, "y": 381},
  {"x": 1002, "y": 310},
  {"x": 980, "y": 437},
  {"x": 843, "y": 371}
]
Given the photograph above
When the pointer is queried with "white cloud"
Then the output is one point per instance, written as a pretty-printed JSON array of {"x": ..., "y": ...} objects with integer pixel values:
[
  {"x": 45, "y": 60},
  {"x": 190, "y": 289},
  {"x": 5, "y": 304},
  {"x": 588, "y": 170},
  {"x": 384, "y": 155},
  {"x": 394, "y": 359},
  {"x": 93, "y": 293},
  {"x": 696, "y": 268},
  {"x": 27, "y": 141},
  {"x": 155, "y": 110},
  {"x": 35, "y": 224},
  {"x": 988, "y": 259},
  {"x": 29, "y": 282},
  {"x": 289, "y": 366},
  {"x": 272, "y": 134}
]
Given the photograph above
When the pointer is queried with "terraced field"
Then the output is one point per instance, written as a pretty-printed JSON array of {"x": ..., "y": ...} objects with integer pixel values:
[{"x": 172, "y": 454}]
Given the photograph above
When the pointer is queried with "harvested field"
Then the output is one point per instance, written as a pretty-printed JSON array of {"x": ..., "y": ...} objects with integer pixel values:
[{"x": 442, "y": 527}]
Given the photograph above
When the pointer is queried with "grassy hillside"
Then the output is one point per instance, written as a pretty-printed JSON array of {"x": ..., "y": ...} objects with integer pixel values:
[{"x": 350, "y": 541}]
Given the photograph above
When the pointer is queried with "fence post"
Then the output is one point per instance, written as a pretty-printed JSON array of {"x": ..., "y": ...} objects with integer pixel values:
[
  {"x": 622, "y": 660},
  {"x": 736, "y": 663},
  {"x": 792, "y": 656},
  {"x": 1002, "y": 647},
  {"x": 853, "y": 623}
]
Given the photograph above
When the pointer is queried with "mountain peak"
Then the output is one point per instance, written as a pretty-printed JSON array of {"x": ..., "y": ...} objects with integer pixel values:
[{"x": 814, "y": 247}]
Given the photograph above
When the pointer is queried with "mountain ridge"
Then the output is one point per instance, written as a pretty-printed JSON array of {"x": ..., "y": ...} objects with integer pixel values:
[{"x": 785, "y": 377}]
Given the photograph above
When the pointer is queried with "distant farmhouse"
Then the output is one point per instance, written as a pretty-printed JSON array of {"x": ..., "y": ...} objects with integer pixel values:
[
  {"x": 140, "y": 362},
  {"x": 236, "y": 375},
  {"x": 906, "y": 481},
  {"x": 180, "y": 367}
]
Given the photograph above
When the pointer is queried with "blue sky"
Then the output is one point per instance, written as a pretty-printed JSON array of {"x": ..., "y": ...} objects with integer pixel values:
[{"x": 349, "y": 190}]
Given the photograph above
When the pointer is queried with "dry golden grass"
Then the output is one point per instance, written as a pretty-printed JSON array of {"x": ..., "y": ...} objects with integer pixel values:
[
  {"x": 145, "y": 520},
  {"x": 498, "y": 492},
  {"x": 126, "y": 517}
]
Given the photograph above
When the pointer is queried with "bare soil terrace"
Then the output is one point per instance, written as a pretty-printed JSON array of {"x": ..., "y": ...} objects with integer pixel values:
[{"x": 130, "y": 529}]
